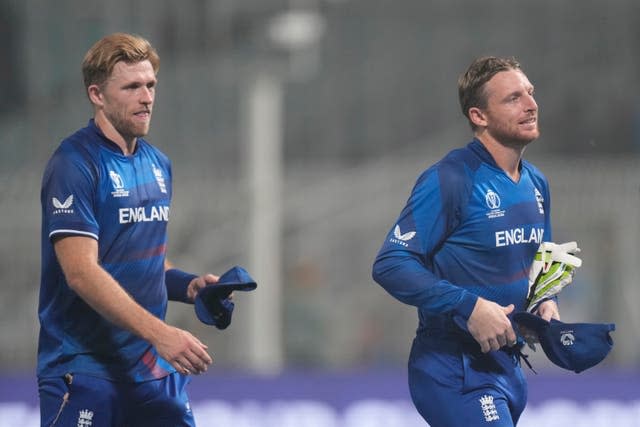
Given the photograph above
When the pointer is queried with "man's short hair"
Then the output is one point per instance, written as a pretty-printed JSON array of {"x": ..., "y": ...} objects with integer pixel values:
[
  {"x": 471, "y": 91},
  {"x": 100, "y": 60}
]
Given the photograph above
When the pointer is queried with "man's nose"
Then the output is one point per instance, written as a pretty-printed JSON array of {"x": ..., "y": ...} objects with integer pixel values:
[
  {"x": 147, "y": 95},
  {"x": 530, "y": 103}
]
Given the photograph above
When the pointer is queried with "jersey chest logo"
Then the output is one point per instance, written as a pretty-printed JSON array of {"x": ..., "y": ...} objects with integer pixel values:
[
  {"x": 539, "y": 200},
  {"x": 118, "y": 185},
  {"x": 492, "y": 199},
  {"x": 157, "y": 173}
]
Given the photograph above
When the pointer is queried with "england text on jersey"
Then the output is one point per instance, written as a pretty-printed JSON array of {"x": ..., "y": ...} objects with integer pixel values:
[
  {"x": 516, "y": 236},
  {"x": 140, "y": 214}
]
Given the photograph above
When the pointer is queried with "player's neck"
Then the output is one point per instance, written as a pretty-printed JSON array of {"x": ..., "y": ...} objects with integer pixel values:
[
  {"x": 127, "y": 145},
  {"x": 506, "y": 156}
]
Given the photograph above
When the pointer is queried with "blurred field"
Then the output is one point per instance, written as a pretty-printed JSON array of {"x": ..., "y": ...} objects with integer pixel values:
[{"x": 366, "y": 399}]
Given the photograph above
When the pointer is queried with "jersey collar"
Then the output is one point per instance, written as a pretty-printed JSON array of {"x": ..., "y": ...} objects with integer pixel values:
[
  {"x": 109, "y": 144},
  {"x": 481, "y": 151}
]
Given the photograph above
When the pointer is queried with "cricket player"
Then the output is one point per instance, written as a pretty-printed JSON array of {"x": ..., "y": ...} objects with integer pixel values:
[
  {"x": 105, "y": 355},
  {"x": 460, "y": 252}
]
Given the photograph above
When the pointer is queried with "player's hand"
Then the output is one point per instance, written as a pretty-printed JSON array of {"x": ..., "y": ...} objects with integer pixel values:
[
  {"x": 198, "y": 283},
  {"x": 490, "y": 326},
  {"x": 186, "y": 353},
  {"x": 548, "y": 310}
]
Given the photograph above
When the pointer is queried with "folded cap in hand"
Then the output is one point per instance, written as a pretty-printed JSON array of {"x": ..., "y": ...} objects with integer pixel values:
[
  {"x": 572, "y": 346},
  {"x": 212, "y": 305}
]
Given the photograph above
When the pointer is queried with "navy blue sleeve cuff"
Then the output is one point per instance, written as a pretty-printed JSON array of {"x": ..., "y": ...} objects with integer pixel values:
[
  {"x": 177, "y": 282},
  {"x": 465, "y": 308}
]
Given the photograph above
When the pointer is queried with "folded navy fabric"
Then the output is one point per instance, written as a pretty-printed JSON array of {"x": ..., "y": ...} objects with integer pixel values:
[
  {"x": 572, "y": 346},
  {"x": 212, "y": 304}
]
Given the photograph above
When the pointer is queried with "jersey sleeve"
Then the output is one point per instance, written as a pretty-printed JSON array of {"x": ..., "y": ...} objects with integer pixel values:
[
  {"x": 68, "y": 196},
  {"x": 403, "y": 264}
]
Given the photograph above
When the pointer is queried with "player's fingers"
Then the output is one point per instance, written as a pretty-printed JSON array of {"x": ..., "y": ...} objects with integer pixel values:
[
  {"x": 199, "y": 343},
  {"x": 196, "y": 361},
  {"x": 485, "y": 346},
  {"x": 194, "y": 287},
  {"x": 502, "y": 340},
  {"x": 511, "y": 336},
  {"x": 183, "y": 366},
  {"x": 211, "y": 278},
  {"x": 201, "y": 364},
  {"x": 549, "y": 311},
  {"x": 508, "y": 309},
  {"x": 200, "y": 355}
]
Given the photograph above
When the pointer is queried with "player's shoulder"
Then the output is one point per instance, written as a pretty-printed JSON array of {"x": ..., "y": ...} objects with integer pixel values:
[
  {"x": 532, "y": 169},
  {"x": 455, "y": 168},
  {"x": 536, "y": 174},
  {"x": 75, "y": 149},
  {"x": 153, "y": 151},
  {"x": 451, "y": 176},
  {"x": 73, "y": 159},
  {"x": 459, "y": 163}
]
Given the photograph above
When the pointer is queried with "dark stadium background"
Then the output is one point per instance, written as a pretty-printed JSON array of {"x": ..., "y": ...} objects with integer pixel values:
[{"x": 341, "y": 103}]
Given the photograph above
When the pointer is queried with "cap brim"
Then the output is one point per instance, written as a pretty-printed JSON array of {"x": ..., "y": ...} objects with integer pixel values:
[
  {"x": 530, "y": 321},
  {"x": 222, "y": 290},
  {"x": 235, "y": 279}
]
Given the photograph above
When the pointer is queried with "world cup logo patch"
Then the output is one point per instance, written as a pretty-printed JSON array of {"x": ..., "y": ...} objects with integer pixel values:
[{"x": 492, "y": 199}]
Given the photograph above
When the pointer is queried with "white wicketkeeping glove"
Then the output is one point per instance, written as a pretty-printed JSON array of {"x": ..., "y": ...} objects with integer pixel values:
[{"x": 552, "y": 269}]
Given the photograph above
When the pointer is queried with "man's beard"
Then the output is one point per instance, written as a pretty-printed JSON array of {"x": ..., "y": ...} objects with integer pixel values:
[
  {"x": 126, "y": 127},
  {"x": 512, "y": 138}
]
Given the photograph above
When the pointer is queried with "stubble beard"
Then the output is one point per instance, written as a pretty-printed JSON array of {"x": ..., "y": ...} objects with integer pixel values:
[
  {"x": 127, "y": 127},
  {"x": 513, "y": 138}
]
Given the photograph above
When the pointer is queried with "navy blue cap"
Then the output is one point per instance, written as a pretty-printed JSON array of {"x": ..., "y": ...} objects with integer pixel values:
[
  {"x": 572, "y": 346},
  {"x": 212, "y": 304}
]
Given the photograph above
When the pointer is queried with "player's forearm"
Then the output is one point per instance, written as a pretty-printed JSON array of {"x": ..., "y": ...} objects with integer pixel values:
[
  {"x": 98, "y": 289},
  {"x": 78, "y": 258},
  {"x": 409, "y": 281}
]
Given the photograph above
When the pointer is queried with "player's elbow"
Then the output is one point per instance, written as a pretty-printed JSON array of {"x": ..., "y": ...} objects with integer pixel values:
[
  {"x": 379, "y": 271},
  {"x": 79, "y": 275},
  {"x": 375, "y": 273},
  {"x": 78, "y": 259},
  {"x": 75, "y": 279}
]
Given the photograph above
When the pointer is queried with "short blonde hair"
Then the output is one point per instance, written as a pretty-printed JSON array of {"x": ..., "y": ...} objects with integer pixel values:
[{"x": 99, "y": 61}]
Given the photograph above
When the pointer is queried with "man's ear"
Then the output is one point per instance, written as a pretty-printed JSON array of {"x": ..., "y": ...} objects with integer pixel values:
[
  {"x": 95, "y": 95},
  {"x": 477, "y": 117}
]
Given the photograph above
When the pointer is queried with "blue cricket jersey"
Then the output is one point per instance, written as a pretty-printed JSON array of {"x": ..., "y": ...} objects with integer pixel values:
[
  {"x": 467, "y": 230},
  {"x": 90, "y": 188}
]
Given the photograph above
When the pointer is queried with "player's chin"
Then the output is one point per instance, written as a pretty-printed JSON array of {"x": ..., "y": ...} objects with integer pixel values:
[
  {"x": 140, "y": 130},
  {"x": 526, "y": 137},
  {"x": 529, "y": 132}
]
